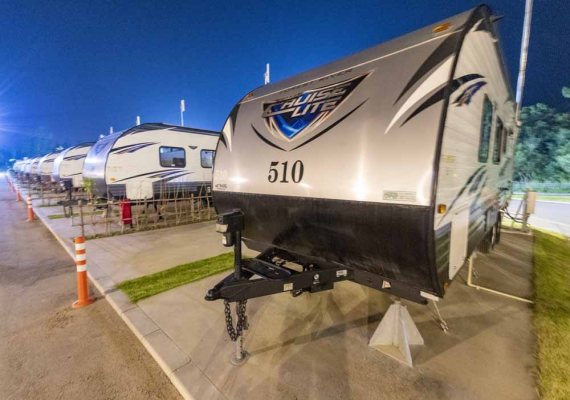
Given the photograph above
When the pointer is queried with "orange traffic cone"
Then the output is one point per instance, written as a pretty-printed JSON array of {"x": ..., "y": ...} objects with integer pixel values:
[
  {"x": 18, "y": 196},
  {"x": 83, "y": 298},
  {"x": 30, "y": 210}
]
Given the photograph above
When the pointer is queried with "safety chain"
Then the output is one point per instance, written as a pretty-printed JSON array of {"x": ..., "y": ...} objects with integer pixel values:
[{"x": 241, "y": 319}]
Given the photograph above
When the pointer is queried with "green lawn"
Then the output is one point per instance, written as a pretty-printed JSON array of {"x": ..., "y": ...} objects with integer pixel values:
[
  {"x": 552, "y": 313},
  {"x": 565, "y": 199},
  {"x": 150, "y": 285},
  {"x": 59, "y": 216}
]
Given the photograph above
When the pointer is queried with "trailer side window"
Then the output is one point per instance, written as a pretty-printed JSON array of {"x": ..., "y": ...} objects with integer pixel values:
[
  {"x": 486, "y": 123},
  {"x": 172, "y": 157},
  {"x": 207, "y": 158},
  {"x": 506, "y": 134},
  {"x": 498, "y": 141}
]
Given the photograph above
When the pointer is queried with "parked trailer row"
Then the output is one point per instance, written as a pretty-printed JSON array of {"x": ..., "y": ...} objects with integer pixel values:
[{"x": 143, "y": 162}]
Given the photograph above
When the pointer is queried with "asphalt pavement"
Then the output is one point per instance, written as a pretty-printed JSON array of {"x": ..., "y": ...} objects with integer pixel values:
[
  {"x": 550, "y": 215},
  {"x": 49, "y": 350}
]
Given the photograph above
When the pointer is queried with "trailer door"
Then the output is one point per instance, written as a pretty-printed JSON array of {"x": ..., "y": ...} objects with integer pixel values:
[{"x": 459, "y": 236}]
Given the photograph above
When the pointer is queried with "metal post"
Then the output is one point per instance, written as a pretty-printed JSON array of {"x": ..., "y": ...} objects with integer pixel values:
[
  {"x": 237, "y": 255},
  {"x": 240, "y": 355},
  {"x": 525, "y": 212},
  {"x": 80, "y": 203},
  {"x": 523, "y": 59},
  {"x": 266, "y": 75}
]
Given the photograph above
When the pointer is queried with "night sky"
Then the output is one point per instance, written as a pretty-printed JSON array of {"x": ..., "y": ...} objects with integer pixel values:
[{"x": 76, "y": 68}]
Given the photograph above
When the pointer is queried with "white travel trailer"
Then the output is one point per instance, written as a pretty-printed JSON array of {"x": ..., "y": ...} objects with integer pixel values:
[
  {"x": 17, "y": 166},
  {"x": 387, "y": 168},
  {"x": 32, "y": 170},
  {"x": 45, "y": 167},
  {"x": 68, "y": 166},
  {"x": 151, "y": 160},
  {"x": 23, "y": 167},
  {"x": 26, "y": 167}
]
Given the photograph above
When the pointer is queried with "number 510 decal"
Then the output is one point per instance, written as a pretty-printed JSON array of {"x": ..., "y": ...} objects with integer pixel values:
[{"x": 296, "y": 172}]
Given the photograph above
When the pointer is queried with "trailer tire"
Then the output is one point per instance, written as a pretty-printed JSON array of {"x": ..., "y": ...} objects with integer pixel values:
[
  {"x": 498, "y": 230},
  {"x": 485, "y": 245}
]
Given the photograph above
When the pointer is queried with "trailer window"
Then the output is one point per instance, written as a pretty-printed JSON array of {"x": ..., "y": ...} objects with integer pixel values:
[
  {"x": 207, "y": 158},
  {"x": 172, "y": 157},
  {"x": 486, "y": 123},
  {"x": 506, "y": 134},
  {"x": 498, "y": 141}
]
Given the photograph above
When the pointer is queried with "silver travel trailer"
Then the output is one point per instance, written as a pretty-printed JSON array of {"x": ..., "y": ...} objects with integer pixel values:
[
  {"x": 68, "y": 166},
  {"x": 151, "y": 160},
  {"x": 32, "y": 171},
  {"x": 17, "y": 167},
  {"x": 26, "y": 168},
  {"x": 387, "y": 168},
  {"x": 45, "y": 167},
  {"x": 23, "y": 169}
]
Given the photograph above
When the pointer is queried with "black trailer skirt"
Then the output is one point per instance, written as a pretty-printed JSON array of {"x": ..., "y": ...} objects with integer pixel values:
[{"x": 390, "y": 240}]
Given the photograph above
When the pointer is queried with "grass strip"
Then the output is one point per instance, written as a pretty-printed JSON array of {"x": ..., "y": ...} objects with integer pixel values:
[
  {"x": 150, "y": 285},
  {"x": 552, "y": 313},
  {"x": 59, "y": 216}
]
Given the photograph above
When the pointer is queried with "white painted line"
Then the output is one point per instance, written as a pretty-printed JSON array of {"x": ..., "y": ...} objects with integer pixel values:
[
  {"x": 547, "y": 201},
  {"x": 550, "y": 221}
]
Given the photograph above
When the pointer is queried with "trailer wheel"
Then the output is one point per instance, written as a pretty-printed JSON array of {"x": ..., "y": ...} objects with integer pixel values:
[
  {"x": 485, "y": 245},
  {"x": 498, "y": 230}
]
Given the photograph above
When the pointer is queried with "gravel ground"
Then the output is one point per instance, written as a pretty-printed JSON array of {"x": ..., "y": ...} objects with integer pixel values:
[{"x": 49, "y": 350}]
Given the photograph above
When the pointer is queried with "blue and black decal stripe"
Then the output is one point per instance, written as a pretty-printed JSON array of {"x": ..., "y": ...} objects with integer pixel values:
[
  {"x": 440, "y": 94},
  {"x": 73, "y": 158},
  {"x": 437, "y": 57},
  {"x": 264, "y": 139},
  {"x": 147, "y": 174},
  {"x": 131, "y": 148},
  {"x": 464, "y": 187}
]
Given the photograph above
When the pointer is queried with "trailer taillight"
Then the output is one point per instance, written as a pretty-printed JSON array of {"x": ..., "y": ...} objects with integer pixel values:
[{"x": 441, "y": 208}]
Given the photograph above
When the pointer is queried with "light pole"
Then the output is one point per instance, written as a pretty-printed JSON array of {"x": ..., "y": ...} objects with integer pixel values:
[
  {"x": 524, "y": 55},
  {"x": 266, "y": 75}
]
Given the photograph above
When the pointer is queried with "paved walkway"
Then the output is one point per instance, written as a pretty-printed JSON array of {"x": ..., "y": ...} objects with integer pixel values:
[
  {"x": 49, "y": 350},
  {"x": 315, "y": 346}
]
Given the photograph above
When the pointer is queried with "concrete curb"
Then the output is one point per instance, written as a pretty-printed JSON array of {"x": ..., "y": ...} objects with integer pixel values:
[{"x": 182, "y": 372}]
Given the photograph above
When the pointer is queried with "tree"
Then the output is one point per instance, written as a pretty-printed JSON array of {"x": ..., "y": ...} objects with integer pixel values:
[{"x": 543, "y": 149}]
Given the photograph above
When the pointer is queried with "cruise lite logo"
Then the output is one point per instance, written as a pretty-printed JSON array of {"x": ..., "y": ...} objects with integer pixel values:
[{"x": 304, "y": 111}]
